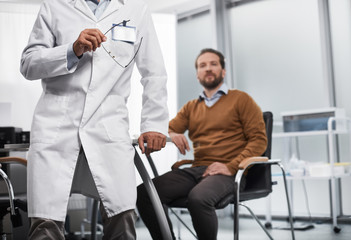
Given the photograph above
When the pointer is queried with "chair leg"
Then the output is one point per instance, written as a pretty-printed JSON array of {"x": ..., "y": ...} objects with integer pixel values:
[
  {"x": 236, "y": 204},
  {"x": 94, "y": 219},
  {"x": 178, "y": 225},
  {"x": 155, "y": 200},
  {"x": 257, "y": 220},
  {"x": 236, "y": 221},
  {"x": 288, "y": 201},
  {"x": 182, "y": 222}
]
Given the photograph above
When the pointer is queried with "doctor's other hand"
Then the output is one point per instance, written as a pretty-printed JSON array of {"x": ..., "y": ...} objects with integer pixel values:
[
  {"x": 180, "y": 141},
  {"x": 88, "y": 40},
  {"x": 154, "y": 142}
]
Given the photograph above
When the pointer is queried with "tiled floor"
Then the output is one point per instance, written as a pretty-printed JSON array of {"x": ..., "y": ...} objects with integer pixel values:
[{"x": 250, "y": 230}]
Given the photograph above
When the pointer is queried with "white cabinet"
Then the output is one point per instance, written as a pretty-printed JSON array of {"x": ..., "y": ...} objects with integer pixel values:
[{"x": 330, "y": 173}]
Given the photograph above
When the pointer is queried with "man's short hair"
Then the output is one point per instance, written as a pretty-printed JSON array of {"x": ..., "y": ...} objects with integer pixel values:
[{"x": 210, "y": 50}]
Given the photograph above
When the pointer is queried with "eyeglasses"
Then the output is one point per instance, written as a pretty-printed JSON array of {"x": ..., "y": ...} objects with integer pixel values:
[{"x": 123, "y": 23}]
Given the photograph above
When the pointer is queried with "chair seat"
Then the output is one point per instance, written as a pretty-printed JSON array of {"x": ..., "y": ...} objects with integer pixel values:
[
  {"x": 244, "y": 196},
  {"x": 254, "y": 194},
  {"x": 178, "y": 203},
  {"x": 229, "y": 199}
]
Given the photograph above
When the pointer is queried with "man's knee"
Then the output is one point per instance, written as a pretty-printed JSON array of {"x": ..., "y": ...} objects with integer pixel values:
[{"x": 196, "y": 200}]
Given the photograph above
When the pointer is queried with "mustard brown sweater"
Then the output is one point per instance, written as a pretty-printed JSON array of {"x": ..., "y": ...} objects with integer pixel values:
[{"x": 228, "y": 132}]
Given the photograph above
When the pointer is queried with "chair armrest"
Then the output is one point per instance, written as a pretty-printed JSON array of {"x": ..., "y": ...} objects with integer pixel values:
[
  {"x": 13, "y": 160},
  {"x": 176, "y": 165},
  {"x": 251, "y": 160}
]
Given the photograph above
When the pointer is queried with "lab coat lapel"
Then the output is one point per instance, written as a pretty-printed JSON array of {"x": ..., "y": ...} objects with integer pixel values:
[
  {"x": 114, "y": 5},
  {"x": 82, "y": 6}
]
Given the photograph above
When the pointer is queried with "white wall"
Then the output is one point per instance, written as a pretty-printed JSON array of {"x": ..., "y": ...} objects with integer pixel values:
[
  {"x": 190, "y": 40},
  {"x": 278, "y": 52},
  {"x": 178, "y": 6},
  {"x": 16, "y": 21}
]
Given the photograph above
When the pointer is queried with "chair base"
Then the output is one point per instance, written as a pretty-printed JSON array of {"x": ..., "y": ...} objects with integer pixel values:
[
  {"x": 296, "y": 226},
  {"x": 257, "y": 220}
]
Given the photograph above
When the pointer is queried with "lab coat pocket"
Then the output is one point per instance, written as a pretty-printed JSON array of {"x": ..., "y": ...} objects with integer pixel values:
[
  {"x": 115, "y": 118},
  {"x": 120, "y": 51},
  {"x": 48, "y": 117}
]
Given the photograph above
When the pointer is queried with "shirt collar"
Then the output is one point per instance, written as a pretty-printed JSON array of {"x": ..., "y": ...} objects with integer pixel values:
[
  {"x": 94, "y": 1},
  {"x": 97, "y": 3},
  {"x": 223, "y": 90}
]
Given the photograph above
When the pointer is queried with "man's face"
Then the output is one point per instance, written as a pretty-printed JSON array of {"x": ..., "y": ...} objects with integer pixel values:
[{"x": 209, "y": 70}]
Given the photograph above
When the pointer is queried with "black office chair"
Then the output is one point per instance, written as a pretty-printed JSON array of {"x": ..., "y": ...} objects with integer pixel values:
[
  {"x": 258, "y": 183},
  {"x": 10, "y": 201}
]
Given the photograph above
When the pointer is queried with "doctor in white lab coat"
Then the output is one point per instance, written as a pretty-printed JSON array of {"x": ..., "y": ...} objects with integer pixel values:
[{"x": 80, "y": 127}]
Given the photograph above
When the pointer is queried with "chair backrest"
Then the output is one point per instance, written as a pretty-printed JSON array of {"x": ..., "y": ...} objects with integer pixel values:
[
  {"x": 259, "y": 178},
  {"x": 268, "y": 120}
]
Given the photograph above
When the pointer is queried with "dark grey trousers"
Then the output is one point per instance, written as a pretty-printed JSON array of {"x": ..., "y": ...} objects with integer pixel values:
[
  {"x": 121, "y": 227},
  {"x": 202, "y": 195}
]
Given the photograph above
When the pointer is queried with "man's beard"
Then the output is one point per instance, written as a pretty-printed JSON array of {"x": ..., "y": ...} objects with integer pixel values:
[{"x": 211, "y": 85}]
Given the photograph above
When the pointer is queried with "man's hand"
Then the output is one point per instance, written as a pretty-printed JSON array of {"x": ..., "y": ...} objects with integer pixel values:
[
  {"x": 217, "y": 168},
  {"x": 88, "y": 40},
  {"x": 180, "y": 141},
  {"x": 154, "y": 141}
]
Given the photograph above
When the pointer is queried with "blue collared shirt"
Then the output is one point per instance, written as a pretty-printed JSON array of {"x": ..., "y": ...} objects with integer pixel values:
[
  {"x": 97, "y": 8},
  {"x": 223, "y": 90}
]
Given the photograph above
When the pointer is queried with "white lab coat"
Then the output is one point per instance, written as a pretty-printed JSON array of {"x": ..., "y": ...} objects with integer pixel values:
[{"x": 86, "y": 105}]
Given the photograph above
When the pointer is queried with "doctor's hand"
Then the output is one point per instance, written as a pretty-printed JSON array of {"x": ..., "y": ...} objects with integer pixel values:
[
  {"x": 154, "y": 142},
  {"x": 217, "y": 168},
  {"x": 88, "y": 40},
  {"x": 180, "y": 141}
]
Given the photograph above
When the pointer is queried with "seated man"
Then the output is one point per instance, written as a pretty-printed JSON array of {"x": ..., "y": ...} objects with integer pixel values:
[{"x": 225, "y": 126}]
